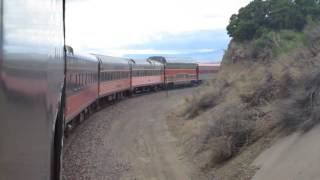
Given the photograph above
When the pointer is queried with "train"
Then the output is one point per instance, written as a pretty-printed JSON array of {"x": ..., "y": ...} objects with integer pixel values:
[
  {"x": 94, "y": 79},
  {"x": 46, "y": 87}
]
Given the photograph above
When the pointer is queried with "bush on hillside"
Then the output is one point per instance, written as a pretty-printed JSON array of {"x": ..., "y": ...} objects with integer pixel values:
[{"x": 263, "y": 16}]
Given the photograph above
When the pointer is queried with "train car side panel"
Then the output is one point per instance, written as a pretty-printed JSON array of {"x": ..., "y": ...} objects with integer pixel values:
[
  {"x": 32, "y": 77},
  {"x": 207, "y": 71},
  {"x": 82, "y": 84},
  {"x": 114, "y": 75}
]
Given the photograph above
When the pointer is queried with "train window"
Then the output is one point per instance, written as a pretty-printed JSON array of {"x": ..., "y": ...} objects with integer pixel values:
[
  {"x": 86, "y": 78},
  {"x": 76, "y": 80},
  {"x": 82, "y": 82},
  {"x": 79, "y": 81},
  {"x": 82, "y": 79}
]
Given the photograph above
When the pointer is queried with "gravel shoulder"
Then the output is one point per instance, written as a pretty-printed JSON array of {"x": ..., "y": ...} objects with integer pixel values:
[{"x": 128, "y": 141}]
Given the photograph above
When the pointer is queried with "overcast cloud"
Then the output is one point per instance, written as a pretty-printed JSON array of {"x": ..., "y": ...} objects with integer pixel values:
[{"x": 117, "y": 27}]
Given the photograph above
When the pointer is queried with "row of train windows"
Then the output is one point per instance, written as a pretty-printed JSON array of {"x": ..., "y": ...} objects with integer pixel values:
[
  {"x": 139, "y": 73},
  {"x": 208, "y": 71},
  {"x": 110, "y": 76},
  {"x": 77, "y": 81},
  {"x": 185, "y": 76}
]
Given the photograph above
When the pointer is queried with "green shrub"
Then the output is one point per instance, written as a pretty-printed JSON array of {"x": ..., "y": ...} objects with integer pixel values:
[{"x": 262, "y": 16}]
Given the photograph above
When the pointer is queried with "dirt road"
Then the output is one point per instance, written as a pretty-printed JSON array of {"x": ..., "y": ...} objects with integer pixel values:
[
  {"x": 294, "y": 157},
  {"x": 128, "y": 141}
]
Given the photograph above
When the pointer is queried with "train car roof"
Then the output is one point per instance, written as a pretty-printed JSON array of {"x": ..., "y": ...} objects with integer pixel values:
[
  {"x": 209, "y": 64},
  {"x": 83, "y": 57},
  {"x": 141, "y": 62},
  {"x": 111, "y": 59},
  {"x": 171, "y": 60}
]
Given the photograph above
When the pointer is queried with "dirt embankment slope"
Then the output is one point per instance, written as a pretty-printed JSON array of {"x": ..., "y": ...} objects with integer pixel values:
[{"x": 265, "y": 90}]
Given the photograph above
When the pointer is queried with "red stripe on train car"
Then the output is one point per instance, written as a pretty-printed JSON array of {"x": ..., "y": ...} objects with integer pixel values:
[
  {"x": 79, "y": 101},
  {"x": 146, "y": 80},
  {"x": 109, "y": 87}
]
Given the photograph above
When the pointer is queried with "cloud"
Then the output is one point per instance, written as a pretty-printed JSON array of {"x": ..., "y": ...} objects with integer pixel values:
[
  {"x": 115, "y": 25},
  {"x": 196, "y": 45}
]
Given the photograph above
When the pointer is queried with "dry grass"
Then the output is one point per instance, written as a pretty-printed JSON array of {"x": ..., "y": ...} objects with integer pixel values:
[{"x": 248, "y": 100}]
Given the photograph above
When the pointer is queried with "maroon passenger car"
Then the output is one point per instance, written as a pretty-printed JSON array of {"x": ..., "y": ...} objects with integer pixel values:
[{"x": 81, "y": 85}]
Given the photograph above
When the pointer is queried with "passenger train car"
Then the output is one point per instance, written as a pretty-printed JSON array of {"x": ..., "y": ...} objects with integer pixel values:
[
  {"x": 32, "y": 65},
  {"x": 207, "y": 71},
  {"x": 114, "y": 77},
  {"x": 81, "y": 85},
  {"x": 146, "y": 74},
  {"x": 177, "y": 72}
]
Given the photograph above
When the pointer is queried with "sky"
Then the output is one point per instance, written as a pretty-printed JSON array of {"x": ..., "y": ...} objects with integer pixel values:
[{"x": 191, "y": 29}]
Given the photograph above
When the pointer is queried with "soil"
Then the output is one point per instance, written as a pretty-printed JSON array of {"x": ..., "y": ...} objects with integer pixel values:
[
  {"x": 293, "y": 157},
  {"x": 128, "y": 141}
]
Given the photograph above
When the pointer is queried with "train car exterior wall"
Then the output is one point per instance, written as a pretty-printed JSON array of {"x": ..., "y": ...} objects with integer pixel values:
[
  {"x": 114, "y": 75},
  {"x": 207, "y": 71},
  {"x": 181, "y": 73},
  {"x": 146, "y": 74},
  {"x": 82, "y": 84},
  {"x": 31, "y": 86}
]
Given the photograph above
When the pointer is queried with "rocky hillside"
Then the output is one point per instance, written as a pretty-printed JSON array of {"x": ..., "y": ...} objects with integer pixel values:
[{"x": 267, "y": 88}]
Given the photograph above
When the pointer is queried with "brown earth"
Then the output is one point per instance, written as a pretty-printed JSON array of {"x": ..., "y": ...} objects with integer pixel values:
[{"x": 128, "y": 141}]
